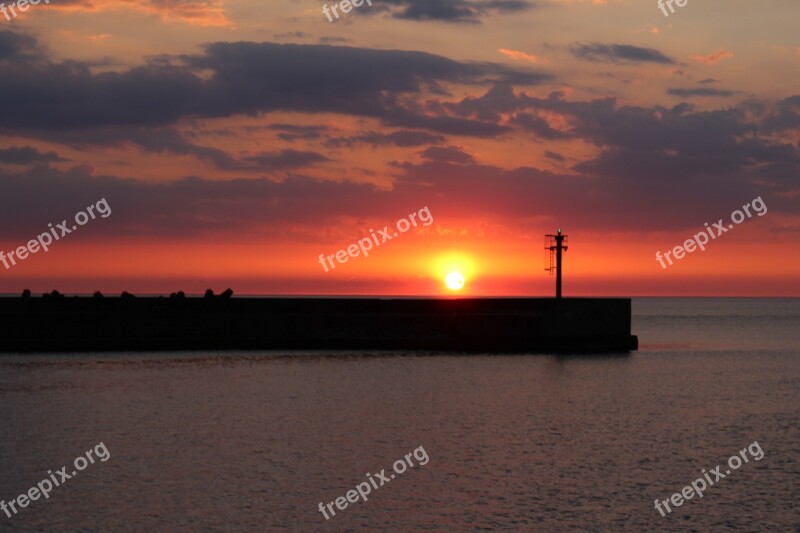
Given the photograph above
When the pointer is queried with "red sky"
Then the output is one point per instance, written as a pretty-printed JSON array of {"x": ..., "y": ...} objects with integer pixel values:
[{"x": 236, "y": 141}]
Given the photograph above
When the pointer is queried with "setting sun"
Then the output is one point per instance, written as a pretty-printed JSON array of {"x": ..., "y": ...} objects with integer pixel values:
[{"x": 454, "y": 281}]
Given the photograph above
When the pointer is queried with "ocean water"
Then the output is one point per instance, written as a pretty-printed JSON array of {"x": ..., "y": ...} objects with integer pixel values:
[{"x": 255, "y": 441}]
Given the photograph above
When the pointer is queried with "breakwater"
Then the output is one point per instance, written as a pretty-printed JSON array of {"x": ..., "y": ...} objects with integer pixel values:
[{"x": 490, "y": 325}]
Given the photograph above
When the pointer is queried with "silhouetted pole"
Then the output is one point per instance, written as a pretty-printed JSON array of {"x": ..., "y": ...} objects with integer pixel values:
[
  {"x": 555, "y": 243},
  {"x": 559, "y": 246}
]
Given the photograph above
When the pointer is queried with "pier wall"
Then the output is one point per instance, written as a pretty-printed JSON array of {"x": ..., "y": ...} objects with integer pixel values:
[{"x": 492, "y": 325}]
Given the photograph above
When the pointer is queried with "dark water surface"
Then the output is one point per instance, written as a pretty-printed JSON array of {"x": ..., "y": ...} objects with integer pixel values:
[{"x": 254, "y": 441}]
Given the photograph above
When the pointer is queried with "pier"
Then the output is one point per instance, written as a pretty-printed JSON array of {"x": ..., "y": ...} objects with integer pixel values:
[{"x": 486, "y": 325}]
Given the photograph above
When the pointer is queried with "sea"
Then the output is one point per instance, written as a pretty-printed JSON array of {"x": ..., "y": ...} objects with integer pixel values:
[{"x": 267, "y": 441}]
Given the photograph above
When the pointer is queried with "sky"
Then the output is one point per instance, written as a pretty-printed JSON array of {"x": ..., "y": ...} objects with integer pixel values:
[{"x": 243, "y": 143}]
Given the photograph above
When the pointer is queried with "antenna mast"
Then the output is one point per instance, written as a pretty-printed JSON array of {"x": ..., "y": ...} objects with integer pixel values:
[{"x": 554, "y": 246}]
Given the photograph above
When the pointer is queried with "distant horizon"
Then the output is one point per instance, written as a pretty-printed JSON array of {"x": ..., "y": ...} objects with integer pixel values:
[{"x": 200, "y": 295}]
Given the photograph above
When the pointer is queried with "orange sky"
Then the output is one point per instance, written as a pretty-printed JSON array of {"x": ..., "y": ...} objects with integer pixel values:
[{"x": 236, "y": 141}]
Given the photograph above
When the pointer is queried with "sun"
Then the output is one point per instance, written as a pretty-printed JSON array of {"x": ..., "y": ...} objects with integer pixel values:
[{"x": 454, "y": 281}]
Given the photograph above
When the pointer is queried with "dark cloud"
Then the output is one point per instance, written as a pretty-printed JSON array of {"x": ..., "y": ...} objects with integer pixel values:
[
  {"x": 246, "y": 78},
  {"x": 785, "y": 117},
  {"x": 298, "y": 77},
  {"x": 14, "y": 44},
  {"x": 538, "y": 126},
  {"x": 498, "y": 100},
  {"x": 158, "y": 140},
  {"x": 708, "y": 81},
  {"x": 605, "y": 193},
  {"x": 447, "y": 155},
  {"x": 698, "y": 91},
  {"x": 26, "y": 156},
  {"x": 678, "y": 144},
  {"x": 685, "y": 148},
  {"x": 170, "y": 140},
  {"x": 614, "y": 53},
  {"x": 405, "y": 138},
  {"x": 292, "y": 133},
  {"x": 444, "y": 124},
  {"x": 187, "y": 207},
  {"x": 456, "y": 11},
  {"x": 286, "y": 159},
  {"x": 647, "y": 162},
  {"x": 579, "y": 200}
]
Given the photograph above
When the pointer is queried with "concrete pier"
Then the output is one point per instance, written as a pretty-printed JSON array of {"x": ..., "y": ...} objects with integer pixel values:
[{"x": 488, "y": 325}]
